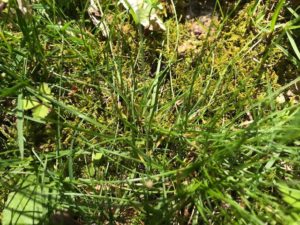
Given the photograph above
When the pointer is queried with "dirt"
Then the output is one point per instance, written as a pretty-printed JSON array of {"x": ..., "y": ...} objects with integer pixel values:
[{"x": 199, "y": 18}]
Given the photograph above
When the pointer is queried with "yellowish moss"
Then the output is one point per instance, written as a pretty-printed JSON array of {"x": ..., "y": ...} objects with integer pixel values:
[{"x": 240, "y": 74}]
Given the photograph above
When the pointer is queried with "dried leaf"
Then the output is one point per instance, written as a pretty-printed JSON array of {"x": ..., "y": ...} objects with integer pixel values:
[
  {"x": 95, "y": 15},
  {"x": 22, "y": 6},
  {"x": 144, "y": 13}
]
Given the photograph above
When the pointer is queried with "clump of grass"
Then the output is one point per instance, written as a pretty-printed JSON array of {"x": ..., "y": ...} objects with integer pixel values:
[{"x": 138, "y": 133}]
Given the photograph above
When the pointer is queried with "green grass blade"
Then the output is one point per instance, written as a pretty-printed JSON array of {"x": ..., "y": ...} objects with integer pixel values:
[
  {"x": 20, "y": 124},
  {"x": 275, "y": 16},
  {"x": 294, "y": 45}
]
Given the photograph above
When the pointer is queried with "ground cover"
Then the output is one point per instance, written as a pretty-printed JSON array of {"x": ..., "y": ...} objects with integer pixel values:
[{"x": 106, "y": 120}]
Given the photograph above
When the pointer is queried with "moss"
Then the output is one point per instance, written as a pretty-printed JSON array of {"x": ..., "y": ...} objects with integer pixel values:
[{"x": 232, "y": 58}]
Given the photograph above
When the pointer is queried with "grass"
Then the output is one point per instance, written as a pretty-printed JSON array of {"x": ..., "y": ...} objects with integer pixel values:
[{"x": 138, "y": 133}]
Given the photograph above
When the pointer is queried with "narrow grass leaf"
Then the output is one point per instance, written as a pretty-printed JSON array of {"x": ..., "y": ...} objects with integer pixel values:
[
  {"x": 20, "y": 122},
  {"x": 294, "y": 45},
  {"x": 276, "y": 14}
]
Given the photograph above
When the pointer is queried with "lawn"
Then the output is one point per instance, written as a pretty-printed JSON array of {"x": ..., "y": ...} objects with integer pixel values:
[{"x": 149, "y": 112}]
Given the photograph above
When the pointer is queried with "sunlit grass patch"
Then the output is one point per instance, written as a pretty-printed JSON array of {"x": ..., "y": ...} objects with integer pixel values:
[{"x": 182, "y": 125}]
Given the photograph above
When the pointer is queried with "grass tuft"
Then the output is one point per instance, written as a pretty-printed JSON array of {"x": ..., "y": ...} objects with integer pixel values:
[{"x": 198, "y": 124}]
